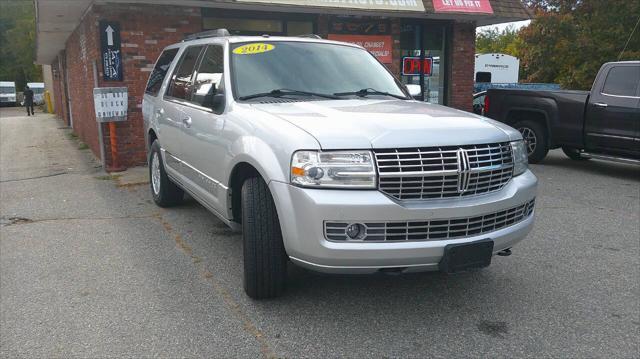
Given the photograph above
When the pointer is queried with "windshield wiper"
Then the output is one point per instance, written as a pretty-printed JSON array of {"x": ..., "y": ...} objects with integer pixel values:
[
  {"x": 369, "y": 91},
  {"x": 285, "y": 92}
]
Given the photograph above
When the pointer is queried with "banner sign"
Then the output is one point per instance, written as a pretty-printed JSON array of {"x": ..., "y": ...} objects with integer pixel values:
[
  {"x": 411, "y": 66},
  {"x": 110, "y": 103},
  {"x": 468, "y": 6},
  {"x": 379, "y": 45},
  {"x": 111, "y": 54},
  {"x": 394, "y": 5}
]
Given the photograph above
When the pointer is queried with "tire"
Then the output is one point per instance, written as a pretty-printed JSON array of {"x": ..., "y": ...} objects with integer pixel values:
[
  {"x": 535, "y": 138},
  {"x": 574, "y": 154},
  {"x": 165, "y": 193},
  {"x": 265, "y": 259}
]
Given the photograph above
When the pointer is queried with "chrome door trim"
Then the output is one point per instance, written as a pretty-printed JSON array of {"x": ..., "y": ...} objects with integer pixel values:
[{"x": 198, "y": 172}]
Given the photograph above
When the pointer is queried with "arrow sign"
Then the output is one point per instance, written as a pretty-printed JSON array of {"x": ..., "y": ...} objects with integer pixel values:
[
  {"x": 110, "y": 48},
  {"x": 109, "y": 32}
]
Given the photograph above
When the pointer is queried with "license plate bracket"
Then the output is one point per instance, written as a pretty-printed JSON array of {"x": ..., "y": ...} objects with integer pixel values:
[{"x": 464, "y": 256}]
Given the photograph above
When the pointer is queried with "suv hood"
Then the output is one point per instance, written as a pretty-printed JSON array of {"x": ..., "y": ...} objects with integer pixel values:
[{"x": 365, "y": 123}]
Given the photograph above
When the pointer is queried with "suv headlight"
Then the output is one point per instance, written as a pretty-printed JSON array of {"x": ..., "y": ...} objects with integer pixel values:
[
  {"x": 520, "y": 157},
  {"x": 333, "y": 169}
]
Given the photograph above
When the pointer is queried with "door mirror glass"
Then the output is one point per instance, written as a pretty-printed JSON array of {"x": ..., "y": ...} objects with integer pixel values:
[{"x": 414, "y": 90}]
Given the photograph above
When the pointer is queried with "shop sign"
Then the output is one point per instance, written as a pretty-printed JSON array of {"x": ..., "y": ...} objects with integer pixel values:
[
  {"x": 394, "y": 5},
  {"x": 110, "y": 103},
  {"x": 111, "y": 54},
  {"x": 468, "y": 6},
  {"x": 411, "y": 66},
  {"x": 379, "y": 45},
  {"x": 359, "y": 26}
]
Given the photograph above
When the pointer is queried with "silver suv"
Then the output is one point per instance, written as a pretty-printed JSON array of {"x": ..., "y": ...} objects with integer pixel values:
[{"x": 321, "y": 156}]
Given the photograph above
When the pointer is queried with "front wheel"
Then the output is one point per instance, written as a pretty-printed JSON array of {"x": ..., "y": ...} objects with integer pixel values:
[
  {"x": 265, "y": 260},
  {"x": 535, "y": 139},
  {"x": 574, "y": 154}
]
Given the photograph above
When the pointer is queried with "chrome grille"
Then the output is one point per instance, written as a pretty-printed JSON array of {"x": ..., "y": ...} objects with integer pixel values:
[
  {"x": 437, "y": 229},
  {"x": 441, "y": 172}
]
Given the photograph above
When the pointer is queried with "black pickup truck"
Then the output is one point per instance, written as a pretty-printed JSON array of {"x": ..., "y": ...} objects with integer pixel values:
[{"x": 603, "y": 123}]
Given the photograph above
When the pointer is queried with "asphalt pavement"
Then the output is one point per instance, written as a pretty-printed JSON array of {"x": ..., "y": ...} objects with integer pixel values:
[{"x": 89, "y": 268}]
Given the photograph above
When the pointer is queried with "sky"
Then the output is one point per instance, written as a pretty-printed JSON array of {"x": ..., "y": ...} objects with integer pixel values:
[{"x": 500, "y": 27}]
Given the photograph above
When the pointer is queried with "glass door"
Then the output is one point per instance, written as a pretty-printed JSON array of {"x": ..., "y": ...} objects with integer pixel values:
[{"x": 422, "y": 49}]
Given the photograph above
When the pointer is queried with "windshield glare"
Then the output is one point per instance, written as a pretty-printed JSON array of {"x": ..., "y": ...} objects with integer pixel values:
[
  {"x": 310, "y": 67},
  {"x": 7, "y": 90}
]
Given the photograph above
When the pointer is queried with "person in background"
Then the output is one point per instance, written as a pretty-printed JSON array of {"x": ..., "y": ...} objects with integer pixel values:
[{"x": 28, "y": 100}]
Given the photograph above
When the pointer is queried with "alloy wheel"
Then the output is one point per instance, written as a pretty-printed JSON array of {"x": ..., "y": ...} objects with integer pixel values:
[{"x": 155, "y": 173}]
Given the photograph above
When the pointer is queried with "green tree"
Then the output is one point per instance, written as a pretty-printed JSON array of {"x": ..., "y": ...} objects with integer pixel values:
[
  {"x": 569, "y": 40},
  {"x": 17, "y": 43},
  {"x": 506, "y": 41}
]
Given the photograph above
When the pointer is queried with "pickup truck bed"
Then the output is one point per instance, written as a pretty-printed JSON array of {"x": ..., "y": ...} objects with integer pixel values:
[{"x": 603, "y": 122}]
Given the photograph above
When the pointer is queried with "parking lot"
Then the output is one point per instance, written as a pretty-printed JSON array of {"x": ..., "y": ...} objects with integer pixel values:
[{"x": 89, "y": 268}]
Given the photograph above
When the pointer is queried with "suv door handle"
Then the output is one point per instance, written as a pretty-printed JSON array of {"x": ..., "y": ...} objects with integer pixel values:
[
  {"x": 600, "y": 104},
  {"x": 187, "y": 122}
]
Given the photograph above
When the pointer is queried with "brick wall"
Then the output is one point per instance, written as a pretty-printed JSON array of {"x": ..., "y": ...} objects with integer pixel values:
[
  {"x": 144, "y": 30},
  {"x": 462, "y": 65}
]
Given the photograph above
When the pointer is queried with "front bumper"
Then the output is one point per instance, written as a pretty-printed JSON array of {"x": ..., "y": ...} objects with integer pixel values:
[{"x": 303, "y": 211}]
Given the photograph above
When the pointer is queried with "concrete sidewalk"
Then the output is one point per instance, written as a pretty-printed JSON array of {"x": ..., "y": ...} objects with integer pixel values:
[{"x": 89, "y": 269}]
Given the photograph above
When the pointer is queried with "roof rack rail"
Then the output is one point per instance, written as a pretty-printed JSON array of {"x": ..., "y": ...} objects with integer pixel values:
[
  {"x": 312, "y": 36},
  {"x": 205, "y": 34}
]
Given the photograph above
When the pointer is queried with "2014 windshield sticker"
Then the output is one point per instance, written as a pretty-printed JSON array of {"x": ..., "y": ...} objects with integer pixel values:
[{"x": 252, "y": 49}]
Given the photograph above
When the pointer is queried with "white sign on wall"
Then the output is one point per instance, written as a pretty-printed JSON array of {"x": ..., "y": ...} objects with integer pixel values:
[
  {"x": 110, "y": 103},
  {"x": 396, "y": 5}
]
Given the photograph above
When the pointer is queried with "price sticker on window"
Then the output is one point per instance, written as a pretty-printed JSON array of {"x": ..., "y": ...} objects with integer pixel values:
[{"x": 252, "y": 49}]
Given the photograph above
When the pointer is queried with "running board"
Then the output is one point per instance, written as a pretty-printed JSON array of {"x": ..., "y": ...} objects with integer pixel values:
[{"x": 610, "y": 158}]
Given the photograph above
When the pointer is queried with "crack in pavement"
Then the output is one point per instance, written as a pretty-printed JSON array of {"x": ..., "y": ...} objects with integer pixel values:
[
  {"x": 16, "y": 220},
  {"x": 226, "y": 296}
]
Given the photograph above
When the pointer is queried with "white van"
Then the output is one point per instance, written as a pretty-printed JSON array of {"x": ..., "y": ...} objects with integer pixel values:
[
  {"x": 7, "y": 93},
  {"x": 38, "y": 92}
]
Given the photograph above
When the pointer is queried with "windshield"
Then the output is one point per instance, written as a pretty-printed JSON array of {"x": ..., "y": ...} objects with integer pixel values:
[
  {"x": 7, "y": 90},
  {"x": 38, "y": 90},
  {"x": 310, "y": 67}
]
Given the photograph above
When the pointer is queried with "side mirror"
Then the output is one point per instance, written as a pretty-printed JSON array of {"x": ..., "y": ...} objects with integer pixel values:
[
  {"x": 414, "y": 90},
  {"x": 218, "y": 103}
]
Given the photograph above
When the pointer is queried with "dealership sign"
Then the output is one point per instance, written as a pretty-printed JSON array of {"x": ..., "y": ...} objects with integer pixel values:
[
  {"x": 395, "y": 5},
  {"x": 379, "y": 45},
  {"x": 412, "y": 66},
  {"x": 469, "y": 6}
]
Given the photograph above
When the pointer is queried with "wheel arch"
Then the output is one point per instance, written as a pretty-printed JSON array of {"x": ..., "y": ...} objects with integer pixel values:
[
  {"x": 516, "y": 115},
  {"x": 239, "y": 174}
]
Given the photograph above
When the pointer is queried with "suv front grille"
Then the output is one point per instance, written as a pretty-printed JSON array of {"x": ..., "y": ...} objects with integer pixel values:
[
  {"x": 437, "y": 229},
  {"x": 444, "y": 172}
]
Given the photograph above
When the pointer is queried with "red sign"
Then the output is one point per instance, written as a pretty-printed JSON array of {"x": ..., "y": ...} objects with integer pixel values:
[
  {"x": 411, "y": 66},
  {"x": 471, "y": 6},
  {"x": 378, "y": 45}
]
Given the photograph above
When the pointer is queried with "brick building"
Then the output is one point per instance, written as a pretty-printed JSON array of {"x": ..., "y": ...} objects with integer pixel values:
[{"x": 401, "y": 33}]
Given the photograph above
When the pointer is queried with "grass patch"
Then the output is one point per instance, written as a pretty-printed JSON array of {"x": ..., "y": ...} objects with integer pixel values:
[
  {"x": 108, "y": 177},
  {"x": 72, "y": 135},
  {"x": 83, "y": 146}
]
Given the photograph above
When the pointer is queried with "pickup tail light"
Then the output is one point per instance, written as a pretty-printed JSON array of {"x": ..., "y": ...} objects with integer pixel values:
[{"x": 485, "y": 110}]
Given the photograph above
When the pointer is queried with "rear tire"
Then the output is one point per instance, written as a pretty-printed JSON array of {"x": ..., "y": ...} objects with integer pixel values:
[
  {"x": 535, "y": 138},
  {"x": 165, "y": 193},
  {"x": 265, "y": 259},
  {"x": 574, "y": 154}
]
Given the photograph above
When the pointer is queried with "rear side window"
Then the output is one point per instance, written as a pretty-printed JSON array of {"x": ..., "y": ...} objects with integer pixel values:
[
  {"x": 208, "y": 78},
  {"x": 160, "y": 71},
  {"x": 622, "y": 81},
  {"x": 180, "y": 85}
]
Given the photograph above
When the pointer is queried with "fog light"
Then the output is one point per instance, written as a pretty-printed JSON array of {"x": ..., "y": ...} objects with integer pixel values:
[{"x": 356, "y": 231}]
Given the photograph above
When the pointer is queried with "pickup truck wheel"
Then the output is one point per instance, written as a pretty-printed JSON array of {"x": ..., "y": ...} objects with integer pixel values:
[
  {"x": 165, "y": 193},
  {"x": 574, "y": 154},
  {"x": 535, "y": 139},
  {"x": 265, "y": 260}
]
